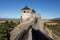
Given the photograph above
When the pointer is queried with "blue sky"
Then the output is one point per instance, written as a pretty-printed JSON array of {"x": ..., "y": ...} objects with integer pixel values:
[{"x": 47, "y": 8}]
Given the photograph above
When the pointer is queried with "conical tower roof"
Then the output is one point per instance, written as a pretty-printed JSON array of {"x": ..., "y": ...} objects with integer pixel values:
[{"x": 26, "y": 8}]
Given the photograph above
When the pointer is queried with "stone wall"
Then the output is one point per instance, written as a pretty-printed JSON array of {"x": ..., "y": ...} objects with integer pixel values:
[
  {"x": 19, "y": 28},
  {"x": 25, "y": 25}
]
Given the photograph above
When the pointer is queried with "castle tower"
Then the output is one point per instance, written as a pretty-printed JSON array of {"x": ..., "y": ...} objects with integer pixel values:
[{"x": 27, "y": 13}]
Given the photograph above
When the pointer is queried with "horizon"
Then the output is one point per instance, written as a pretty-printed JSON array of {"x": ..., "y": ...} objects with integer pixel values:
[
  {"x": 19, "y": 18},
  {"x": 48, "y": 9}
]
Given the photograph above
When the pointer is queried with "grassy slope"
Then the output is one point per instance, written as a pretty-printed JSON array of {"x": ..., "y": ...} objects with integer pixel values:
[{"x": 55, "y": 29}]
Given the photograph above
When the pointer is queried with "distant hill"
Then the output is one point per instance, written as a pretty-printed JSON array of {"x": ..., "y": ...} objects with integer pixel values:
[
  {"x": 9, "y": 19},
  {"x": 55, "y": 19}
]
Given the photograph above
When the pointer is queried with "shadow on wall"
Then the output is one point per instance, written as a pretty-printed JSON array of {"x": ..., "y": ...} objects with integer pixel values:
[{"x": 38, "y": 35}]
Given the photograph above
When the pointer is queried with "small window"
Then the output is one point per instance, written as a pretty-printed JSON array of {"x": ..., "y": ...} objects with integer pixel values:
[{"x": 24, "y": 11}]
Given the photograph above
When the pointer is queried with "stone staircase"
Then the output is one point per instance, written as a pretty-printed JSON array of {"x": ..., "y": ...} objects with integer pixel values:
[{"x": 23, "y": 26}]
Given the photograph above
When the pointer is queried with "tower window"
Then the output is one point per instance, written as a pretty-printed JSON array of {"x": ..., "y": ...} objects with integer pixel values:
[{"x": 24, "y": 11}]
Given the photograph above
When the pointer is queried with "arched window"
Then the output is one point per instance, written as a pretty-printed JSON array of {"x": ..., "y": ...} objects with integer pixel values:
[{"x": 24, "y": 11}]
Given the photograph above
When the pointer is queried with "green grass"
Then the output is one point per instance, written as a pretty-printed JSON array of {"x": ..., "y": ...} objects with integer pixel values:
[
  {"x": 55, "y": 29},
  {"x": 6, "y": 28}
]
